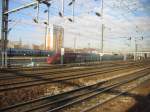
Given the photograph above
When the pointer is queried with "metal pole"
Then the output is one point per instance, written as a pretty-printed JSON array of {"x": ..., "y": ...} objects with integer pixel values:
[
  {"x": 102, "y": 32},
  {"x": 62, "y": 47},
  {"x": 73, "y": 5},
  {"x": 136, "y": 47},
  {"x": 102, "y": 26},
  {"x": 37, "y": 16},
  {"x": 62, "y": 8},
  {"x": 102, "y": 47},
  {"x": 63, "y": 33},
  {"x": 47, "y": 28},
  {"x": 135, "y": 50},
  {"x": 4, "y": 33},
  {"x": 48, "y": 14},
  {"x": 45, "y": 37},
  {"x": 75, "y": 44}
]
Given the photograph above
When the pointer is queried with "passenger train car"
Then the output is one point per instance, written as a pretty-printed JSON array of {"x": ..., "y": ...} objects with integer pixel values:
[
  {"x": 81, "y": 57},
  {"x": 51, "y": 57},
  {"x": 28, "y": 52}
]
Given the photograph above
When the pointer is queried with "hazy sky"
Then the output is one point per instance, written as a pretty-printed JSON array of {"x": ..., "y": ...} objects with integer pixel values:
[{"x": 122, "y": 18}]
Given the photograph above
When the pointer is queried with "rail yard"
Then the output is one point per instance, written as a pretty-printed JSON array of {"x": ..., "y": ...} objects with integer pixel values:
[
  {"x": 71, "y": 88},
  {"x": 74, "y": 55}
]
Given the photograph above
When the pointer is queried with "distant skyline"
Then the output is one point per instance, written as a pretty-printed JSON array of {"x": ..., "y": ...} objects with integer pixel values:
[{"x": 122, "y": 18}]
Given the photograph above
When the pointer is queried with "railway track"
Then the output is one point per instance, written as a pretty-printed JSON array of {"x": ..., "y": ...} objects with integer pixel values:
[
  {"x": 11, "y": 74},
  {"x": 90, "y": 101},
  {"x": 47, "y": 69},
  {"x": 136, "y": 84},
  {"x": 61, "y": 78},
  {"x": 20, "y": 75},
  {"x": 73, "y": 100},
  {"x": 55, "y": 66}
]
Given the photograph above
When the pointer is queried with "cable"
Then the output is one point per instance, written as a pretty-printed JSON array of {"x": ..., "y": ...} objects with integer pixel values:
[
  {"x": 125, "y": 17},
  {"x": 44, "y": 26},
  {"x": 84, "y": 20}
]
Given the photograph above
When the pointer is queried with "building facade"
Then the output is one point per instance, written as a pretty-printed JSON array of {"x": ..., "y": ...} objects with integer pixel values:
[{"x": 54, "y": 38}]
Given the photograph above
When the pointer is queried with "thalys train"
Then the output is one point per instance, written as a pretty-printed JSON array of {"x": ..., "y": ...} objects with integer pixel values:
[
  {"x": 81, "y": 57},
  {"x": 71, "y": 57},
  {"x": 55, "y": 58}
]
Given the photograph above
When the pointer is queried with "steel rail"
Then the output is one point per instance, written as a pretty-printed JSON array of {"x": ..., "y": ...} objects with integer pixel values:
[
  {"x": 45, "y": 68},
  {"x": 65, "y": 94},
  {"x": 65, "y": 68},
  {"x": 56, "y": 80},
  {"x": 14, "y": 76},
  {"x": 51, "y": 73},
  {"x": 61, "y": 101},
  {"x": 11, "y": 76},
  {"x": 66, "y": 65},
  {"x": 96, "y": 94},
  {"x": 52, "y": 76},
  {"x": 52, "y": 66},
  {"x": 102, "y": 103}
]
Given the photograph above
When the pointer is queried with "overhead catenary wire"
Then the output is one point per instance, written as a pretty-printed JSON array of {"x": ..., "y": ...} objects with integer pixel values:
[
  {"x": 84, "y": 19},
  {"x": 123, "y": 15},
  {"x": 39, "y": 25}
]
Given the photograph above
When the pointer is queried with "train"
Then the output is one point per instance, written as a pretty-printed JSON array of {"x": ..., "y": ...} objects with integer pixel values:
[
  {"x": 11, "y": 52},
  {"x": 71, "y": 57},
  {"x": 51, "y": 57}
]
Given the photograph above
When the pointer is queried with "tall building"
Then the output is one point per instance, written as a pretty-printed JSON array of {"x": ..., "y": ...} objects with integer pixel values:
[{"x": 54, "y": 38}]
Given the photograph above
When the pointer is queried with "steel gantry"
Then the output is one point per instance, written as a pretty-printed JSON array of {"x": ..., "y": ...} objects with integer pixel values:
[{"x": 4, "y": 27}]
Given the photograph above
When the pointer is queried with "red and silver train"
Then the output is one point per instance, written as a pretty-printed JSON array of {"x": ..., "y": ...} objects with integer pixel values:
[{"x": 80, "y": 57}]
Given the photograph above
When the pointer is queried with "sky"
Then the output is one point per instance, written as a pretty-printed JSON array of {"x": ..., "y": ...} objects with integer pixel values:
[{"x": 122, "y": 19}]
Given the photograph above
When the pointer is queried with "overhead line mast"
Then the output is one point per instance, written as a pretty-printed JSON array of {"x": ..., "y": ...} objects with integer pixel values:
[
  {"x": 102, "y": 8},
  {"x": 4, "y": 33},
  {"x": 102, "y": 30},
  {"x": 4, "y": 29}
]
